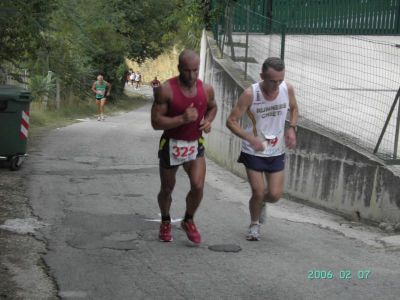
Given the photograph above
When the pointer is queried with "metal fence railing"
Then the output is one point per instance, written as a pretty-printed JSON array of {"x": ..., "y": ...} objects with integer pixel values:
[
  {"x": 365, "y": 17},
  {"x": 339, "y": 16},
  {"x": 344, "y": 83},
  {"x": 237, "y": 35},
  {"x": 347, "y": 84}
]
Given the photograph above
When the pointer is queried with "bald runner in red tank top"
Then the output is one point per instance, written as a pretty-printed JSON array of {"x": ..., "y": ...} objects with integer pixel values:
[
  {"x": 184, "y": 107},
  {"x": 190, "y": 131}
]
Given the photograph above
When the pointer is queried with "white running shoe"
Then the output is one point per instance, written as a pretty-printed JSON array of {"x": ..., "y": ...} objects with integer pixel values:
[
  {"x": 102, "y": 117},
  {"x": 253, "y": 233},
  {"x": 263, "y": 214},
  {"x": 98, "y": 118}
]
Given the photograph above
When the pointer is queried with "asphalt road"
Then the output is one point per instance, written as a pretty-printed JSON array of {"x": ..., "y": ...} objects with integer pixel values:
[{"x": 93, "y": 185}]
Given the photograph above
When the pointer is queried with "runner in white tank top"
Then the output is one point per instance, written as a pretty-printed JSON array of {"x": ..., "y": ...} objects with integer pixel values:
[
  {"x": 264, "y": 137},
  {"x": 266, "y": 120}
]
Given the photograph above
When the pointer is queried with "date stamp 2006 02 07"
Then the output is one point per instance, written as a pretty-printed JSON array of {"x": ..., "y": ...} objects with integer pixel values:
[{"x": 344, "y": 274}]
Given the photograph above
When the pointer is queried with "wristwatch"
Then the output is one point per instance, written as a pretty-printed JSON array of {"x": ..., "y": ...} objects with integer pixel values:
[{"x": 294, "y": 127}]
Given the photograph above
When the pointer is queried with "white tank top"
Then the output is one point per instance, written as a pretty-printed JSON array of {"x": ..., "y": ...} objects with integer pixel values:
[{"x": 266, "y": 119}]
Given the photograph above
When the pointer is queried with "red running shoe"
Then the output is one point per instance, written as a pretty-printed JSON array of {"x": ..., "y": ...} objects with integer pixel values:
[
  {"x": 191, "y": 231},
  {"x": 165, "y": 232}
]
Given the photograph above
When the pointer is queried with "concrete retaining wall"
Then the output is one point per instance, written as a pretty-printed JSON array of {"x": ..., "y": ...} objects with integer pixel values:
[{"x": 323, "y": 170}]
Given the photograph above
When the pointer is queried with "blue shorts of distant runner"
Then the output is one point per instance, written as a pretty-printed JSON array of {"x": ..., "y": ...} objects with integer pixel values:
[{"x": 262, "y": 164}]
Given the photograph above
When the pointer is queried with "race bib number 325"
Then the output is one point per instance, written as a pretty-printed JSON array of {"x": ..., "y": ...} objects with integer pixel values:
[{"x": 182, "y": 151}]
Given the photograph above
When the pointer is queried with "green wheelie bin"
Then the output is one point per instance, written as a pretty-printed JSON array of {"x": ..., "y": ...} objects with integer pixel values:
[{"x": 14, "y": 124}]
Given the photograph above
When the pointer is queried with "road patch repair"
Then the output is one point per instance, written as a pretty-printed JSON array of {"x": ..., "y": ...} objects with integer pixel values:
[
  {"x": 225, "y": 248},
  {"x": 22, "y": 226}
]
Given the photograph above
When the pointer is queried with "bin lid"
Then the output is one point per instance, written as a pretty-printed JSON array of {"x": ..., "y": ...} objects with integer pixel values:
[{"x": 16, "y": 93}]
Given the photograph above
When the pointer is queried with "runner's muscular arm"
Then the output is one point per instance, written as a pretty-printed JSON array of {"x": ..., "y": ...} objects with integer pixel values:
[
  {"x": 291, "y": 140},
  {"x": 211, "y": 112},
  {"x": 159, "y": 110},
  {"x": 242, "y": 105}
]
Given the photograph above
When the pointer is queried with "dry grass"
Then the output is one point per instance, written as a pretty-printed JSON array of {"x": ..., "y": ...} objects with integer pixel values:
[
  {"x": 164, "y": 67},
  {"x": 74, "y": 109}
]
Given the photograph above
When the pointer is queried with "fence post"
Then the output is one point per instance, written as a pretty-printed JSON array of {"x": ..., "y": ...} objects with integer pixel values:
[
  {"x": 387, "y": 123},
  {"x": 247, "y": 41},
  {"x": 396, "y": 136},
  {"x": 25, "y": 79},
  {"x": 268, "y": 14},
  {"x": 46, "y": 95},
  {"x": 398, "y": 18},
  {"x": 8, "y": 81},
  {"x": 58, "y": 98},
  {"x": 227, "y": 25},
  {"x": 230, "y": 29},
  {"x": 283, "y": 41}
]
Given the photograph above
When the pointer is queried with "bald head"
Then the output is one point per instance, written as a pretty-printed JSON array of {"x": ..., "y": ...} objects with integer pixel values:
[
  {"x": 188, "y": 66},
  {"x": 187, "y": 55}
]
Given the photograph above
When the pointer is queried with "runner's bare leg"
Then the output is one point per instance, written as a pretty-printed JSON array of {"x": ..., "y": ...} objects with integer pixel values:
[
  {"x": 98, "y": 107},
  {"x": 102, "y": 103},
  {"x": 168, "y": 180},
  {"x": 196, "y": 170},
  {"x": 275, "y": 186},
  {"x": 257, "y": 185}
]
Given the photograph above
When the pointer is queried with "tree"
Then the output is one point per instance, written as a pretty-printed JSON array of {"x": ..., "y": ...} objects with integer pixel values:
[
  {"x": 190, "y": 17},
  {"x": 77, "y": 40},
  {"x": 22, "y": 24},
  {"x": 144, "y": 25}
]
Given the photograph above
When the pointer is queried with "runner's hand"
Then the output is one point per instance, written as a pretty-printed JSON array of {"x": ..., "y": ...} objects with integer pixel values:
[
  {"x": 205, "y": 125},
  {"x": 190, "y": 114},
  {"x": 290, "y": 139},
  {"x": 256, "y": 144}
]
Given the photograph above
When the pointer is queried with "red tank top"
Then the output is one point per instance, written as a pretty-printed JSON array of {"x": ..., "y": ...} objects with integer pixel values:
[{"x": 178, "y": 105}]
